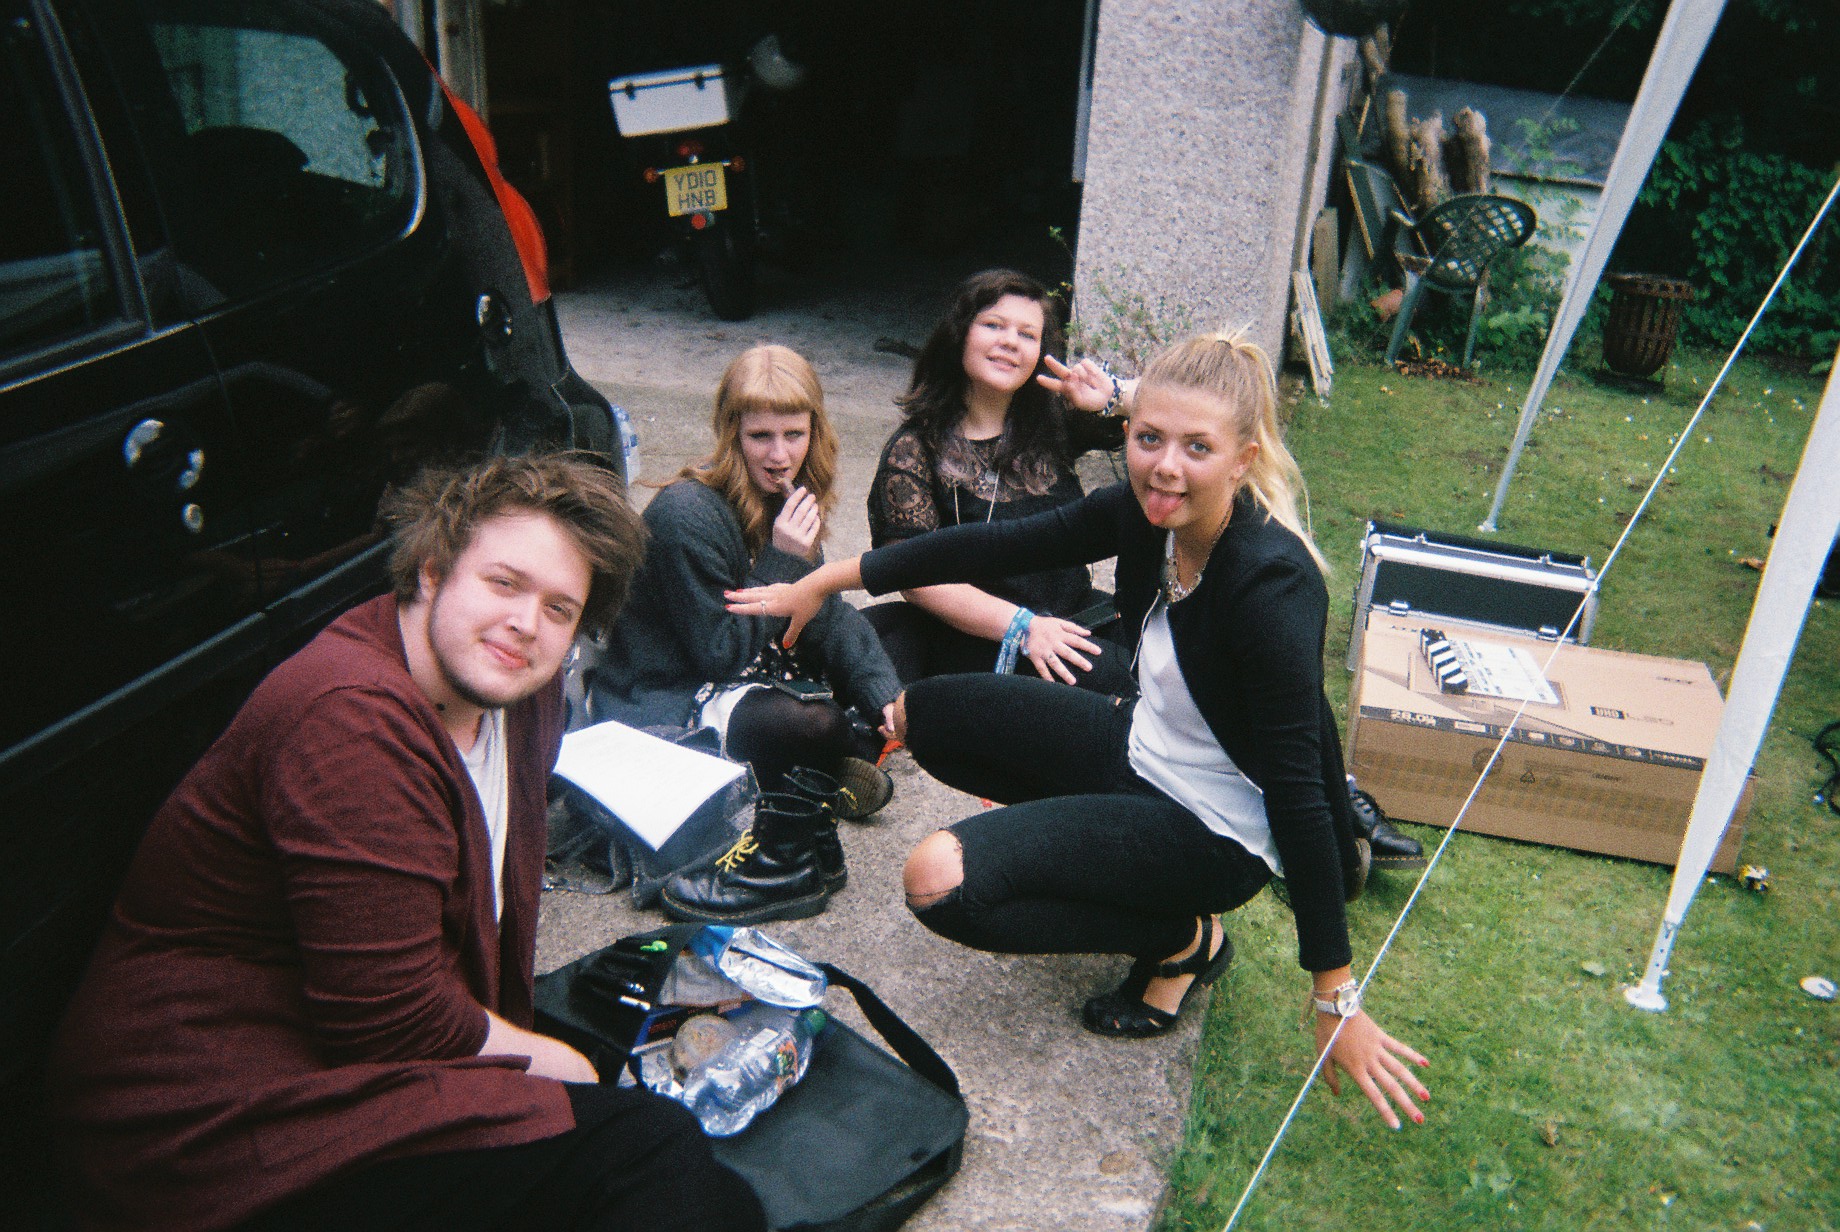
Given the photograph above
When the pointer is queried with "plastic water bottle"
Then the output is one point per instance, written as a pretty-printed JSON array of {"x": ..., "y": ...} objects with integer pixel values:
[
  {"x": 770, "y": 1054},
  {"x": 628, "y": 439}
]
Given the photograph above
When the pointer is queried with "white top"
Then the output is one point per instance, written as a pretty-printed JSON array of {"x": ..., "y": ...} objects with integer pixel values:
[
  {"x": 485, "y": 762},
  {"x": 1175, "y": 752}
]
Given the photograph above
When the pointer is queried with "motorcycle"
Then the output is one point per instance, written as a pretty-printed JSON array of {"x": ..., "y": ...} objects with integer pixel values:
[{"x": 688, "y": 121}]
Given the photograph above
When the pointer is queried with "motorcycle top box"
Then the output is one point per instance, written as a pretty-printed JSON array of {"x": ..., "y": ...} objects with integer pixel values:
[{"x": 673, "y": 101}]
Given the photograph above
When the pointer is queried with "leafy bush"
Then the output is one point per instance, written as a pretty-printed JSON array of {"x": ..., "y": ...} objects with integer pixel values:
[{"x": 1726, "y": 218}]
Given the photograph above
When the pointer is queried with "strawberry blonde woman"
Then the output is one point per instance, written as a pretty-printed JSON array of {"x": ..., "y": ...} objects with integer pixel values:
[
  {"x": 753, "y": 512},
  {"x": 1132, "y": 826}
]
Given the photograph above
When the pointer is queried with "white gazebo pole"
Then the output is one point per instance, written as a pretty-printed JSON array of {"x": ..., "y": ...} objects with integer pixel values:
[
  {"x": 1810, "y": 519},
  {"x": 1678, "y": 48}
]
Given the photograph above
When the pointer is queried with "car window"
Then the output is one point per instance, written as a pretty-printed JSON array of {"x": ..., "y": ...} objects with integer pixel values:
[
  {"x": 289, "y": 152},
  {"x": 54, "y": 279}
]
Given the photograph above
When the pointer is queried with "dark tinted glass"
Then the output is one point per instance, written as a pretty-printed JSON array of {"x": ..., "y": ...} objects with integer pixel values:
[
  {"x": 54, "y": 281},
  {"x": 289, "y": 152}
]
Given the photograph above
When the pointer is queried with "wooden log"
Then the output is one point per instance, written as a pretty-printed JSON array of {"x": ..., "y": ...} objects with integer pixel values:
[
  {"x": 1430, "y": 181},
  {"x": 1469, "y": 152},
  {"x": 1398, "y": 132}
]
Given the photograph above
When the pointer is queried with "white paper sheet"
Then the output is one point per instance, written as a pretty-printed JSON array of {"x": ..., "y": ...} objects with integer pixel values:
[
  {"x": 650, "y": 784},
  {"x": 1508, "y": 672}
]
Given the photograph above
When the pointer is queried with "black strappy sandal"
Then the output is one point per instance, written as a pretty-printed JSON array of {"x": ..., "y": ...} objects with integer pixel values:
[{"x": 1123, "y": 1012}]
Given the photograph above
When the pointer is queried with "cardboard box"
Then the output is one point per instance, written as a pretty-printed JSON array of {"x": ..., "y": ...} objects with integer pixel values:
[{"x": 1608, "y": 759}]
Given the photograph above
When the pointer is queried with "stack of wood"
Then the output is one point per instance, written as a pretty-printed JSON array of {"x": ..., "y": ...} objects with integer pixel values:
[{"x": 1430, "y": 164}]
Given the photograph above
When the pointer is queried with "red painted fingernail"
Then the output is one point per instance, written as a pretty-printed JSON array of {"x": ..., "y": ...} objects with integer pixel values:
[{"x": 1418, "y": 1118}]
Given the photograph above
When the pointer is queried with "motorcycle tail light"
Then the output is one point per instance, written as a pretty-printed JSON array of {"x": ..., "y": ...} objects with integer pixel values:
[
  {"x": 698, "y": 221},
  {"x": 689, "y": 149}
]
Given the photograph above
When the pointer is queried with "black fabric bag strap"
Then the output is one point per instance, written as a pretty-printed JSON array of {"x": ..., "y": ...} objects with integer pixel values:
[{"x": 905, "y": 1041}]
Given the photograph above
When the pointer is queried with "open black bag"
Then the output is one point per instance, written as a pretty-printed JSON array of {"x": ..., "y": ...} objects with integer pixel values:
[{"x": 857, "y": 1146}]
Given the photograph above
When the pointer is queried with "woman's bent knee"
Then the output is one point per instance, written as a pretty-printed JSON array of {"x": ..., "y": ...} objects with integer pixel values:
[{"x": 934, "y": 869}]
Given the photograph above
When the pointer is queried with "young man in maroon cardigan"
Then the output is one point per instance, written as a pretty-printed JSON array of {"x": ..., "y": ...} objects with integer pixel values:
[{"x": 312, "y": 1005}]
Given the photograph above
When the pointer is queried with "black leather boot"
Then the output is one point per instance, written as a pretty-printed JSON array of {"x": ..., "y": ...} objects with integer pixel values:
[
  {"x": 1391, "y": 848},
  {"x": 771, "y": 873},
  {"x": 822, "y": 790}
]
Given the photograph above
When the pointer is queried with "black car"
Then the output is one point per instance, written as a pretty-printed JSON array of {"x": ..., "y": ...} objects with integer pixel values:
[{"x": 256, "y": 265}]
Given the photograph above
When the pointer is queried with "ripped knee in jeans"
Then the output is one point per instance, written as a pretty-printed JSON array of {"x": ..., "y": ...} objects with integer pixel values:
[{"x": 935, "y": 870}]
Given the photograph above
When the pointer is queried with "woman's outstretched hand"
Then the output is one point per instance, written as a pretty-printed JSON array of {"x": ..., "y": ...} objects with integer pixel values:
[
  {"x": 1054, "y": 643},
  {"x": 1377, "y": 1063},
  {"x": 794, "y": 600},
  {"x": 1085, "y": 385}
]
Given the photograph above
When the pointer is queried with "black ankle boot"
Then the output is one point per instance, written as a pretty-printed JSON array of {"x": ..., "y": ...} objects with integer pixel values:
[
  {"x": 1391, "y": 848},
  {"x": 821, "y": 789},
  {"x": 771, "y": 873}
]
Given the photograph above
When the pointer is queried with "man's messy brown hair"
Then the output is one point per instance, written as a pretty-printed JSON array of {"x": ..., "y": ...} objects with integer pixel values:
[{"x": 435, "y": 516}]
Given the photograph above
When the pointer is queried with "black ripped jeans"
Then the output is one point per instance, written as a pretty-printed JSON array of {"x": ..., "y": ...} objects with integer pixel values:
[{"x": 1088, "y": 858}]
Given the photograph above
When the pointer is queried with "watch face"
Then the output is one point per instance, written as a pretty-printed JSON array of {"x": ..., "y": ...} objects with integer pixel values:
[{"x": 1347, "y": 1001}]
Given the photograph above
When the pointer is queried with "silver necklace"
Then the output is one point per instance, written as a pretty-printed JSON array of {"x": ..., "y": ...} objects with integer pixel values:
[{"x": 1173, "y": 590}]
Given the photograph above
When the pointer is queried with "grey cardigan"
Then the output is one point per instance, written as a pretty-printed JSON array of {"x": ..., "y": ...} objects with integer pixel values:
[{"x": 675, "y": 634}]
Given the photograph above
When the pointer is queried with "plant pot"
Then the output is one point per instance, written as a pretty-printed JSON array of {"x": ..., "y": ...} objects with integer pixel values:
[
  {"x": 1644, "y": 318},
  {"x": 1352, "y": 18}
]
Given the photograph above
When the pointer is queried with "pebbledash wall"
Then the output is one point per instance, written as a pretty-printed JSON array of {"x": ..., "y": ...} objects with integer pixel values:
[{"x": 1207, "y": 156}]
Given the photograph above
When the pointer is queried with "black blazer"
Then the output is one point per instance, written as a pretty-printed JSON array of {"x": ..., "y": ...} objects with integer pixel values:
[{"x": 1249, "y": 640}]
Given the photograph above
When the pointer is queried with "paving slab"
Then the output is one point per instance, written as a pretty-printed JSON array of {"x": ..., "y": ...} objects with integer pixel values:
[{"x": 1068, "y": 1130}]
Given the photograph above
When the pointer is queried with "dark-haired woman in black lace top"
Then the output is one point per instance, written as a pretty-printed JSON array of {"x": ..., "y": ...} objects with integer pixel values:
[{"x": 989, "y": 437}]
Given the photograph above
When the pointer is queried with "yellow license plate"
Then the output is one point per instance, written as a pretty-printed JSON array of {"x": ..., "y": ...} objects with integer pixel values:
[{"x": 691, "y": 190}]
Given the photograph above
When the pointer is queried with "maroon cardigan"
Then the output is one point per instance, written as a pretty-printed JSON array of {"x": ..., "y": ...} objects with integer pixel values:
[{"x": 295, "y": 977}]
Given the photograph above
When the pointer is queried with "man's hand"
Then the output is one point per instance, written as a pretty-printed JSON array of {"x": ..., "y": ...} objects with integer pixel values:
[
  {"x": 549, "y": 1057},
  {"x": 799, "y": 525}
]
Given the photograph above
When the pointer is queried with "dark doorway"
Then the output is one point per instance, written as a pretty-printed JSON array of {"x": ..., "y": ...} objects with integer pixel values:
[{"x": 927, "y": 129}]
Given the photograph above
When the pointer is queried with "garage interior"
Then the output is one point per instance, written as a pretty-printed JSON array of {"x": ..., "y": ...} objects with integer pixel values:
[{"x": 939, "y": 133}]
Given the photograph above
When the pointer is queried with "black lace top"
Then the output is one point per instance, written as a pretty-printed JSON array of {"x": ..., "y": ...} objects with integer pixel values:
[{"x": 915, "y": 492}]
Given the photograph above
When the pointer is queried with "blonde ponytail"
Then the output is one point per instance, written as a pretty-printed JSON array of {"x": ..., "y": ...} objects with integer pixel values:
[{"x": 1232, "y": 368}]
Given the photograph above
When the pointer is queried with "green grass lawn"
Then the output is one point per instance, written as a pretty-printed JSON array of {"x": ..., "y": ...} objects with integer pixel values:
[{"x": 1555, "y": 1105}]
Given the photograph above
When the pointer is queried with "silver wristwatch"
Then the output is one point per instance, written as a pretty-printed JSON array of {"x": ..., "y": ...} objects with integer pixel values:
[{"x": 1344, "y": 1000}]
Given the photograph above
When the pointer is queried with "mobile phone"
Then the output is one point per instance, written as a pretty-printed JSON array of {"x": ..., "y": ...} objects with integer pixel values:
[
  {"x": 1097, "y": 616},
  {"x": 804, "y": 690}
]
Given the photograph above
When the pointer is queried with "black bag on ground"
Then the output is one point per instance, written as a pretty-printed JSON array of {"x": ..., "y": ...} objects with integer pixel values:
[{"x": 858, "y": 1145}]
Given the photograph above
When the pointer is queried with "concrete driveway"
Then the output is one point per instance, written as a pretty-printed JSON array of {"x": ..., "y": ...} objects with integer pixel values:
[{"x": 1068, "y": 1130}]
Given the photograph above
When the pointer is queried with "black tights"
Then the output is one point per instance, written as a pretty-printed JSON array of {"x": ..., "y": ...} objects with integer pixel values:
[
  {"x": 774, "y": 731},
  {"x": 1088, "y": 858},
  {"x": 635, "y": 1162}
]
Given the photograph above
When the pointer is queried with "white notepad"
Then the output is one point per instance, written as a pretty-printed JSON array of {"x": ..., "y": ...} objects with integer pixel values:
[{"x": 650, "y": 784}]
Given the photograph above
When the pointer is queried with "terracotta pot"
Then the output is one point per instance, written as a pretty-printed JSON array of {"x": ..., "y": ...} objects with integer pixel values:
[{"x": 1644, "y": 318}]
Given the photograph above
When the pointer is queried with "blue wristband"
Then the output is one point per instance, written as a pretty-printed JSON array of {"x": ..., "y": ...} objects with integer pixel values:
[{"x": 1013, "y": 638}]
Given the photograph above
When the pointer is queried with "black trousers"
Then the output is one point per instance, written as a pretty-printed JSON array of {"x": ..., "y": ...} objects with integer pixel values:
[
  {"x": 1088, "y": 858},
  {"x": 921, "y": 646},
  {"x": 635, "y": 1162}
]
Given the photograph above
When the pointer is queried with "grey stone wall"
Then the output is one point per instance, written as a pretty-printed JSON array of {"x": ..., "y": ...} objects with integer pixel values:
[{"x": 1199, "y": 158}]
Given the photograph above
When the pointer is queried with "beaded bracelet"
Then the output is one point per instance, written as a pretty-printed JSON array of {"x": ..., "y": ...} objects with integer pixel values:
[{"x": 1013, "y": 638}]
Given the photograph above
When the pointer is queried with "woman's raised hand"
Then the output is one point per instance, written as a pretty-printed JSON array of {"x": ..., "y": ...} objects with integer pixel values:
[
  {"x": 1054, "y": 643},
  {"x": 1085, "y": 385},
  {"x": 1374, "y": 1060},
  {"x": 799, "y": 525}
]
